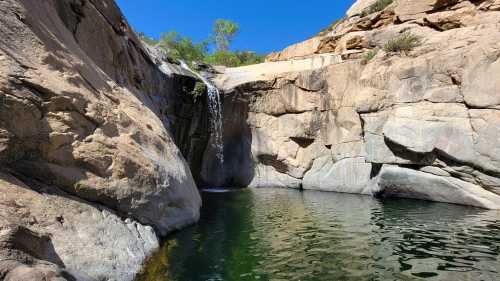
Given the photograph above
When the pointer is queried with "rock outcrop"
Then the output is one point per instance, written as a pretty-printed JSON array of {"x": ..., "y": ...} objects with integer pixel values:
[
  {"x": 351, "y": 114},
  {"x": 90, "y": 173}
]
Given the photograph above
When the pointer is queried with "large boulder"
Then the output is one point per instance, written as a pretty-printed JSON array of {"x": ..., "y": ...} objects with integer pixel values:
[
  {"x": 88, "y": 112},
  {"x": 70, "y": 234},
  {"x": 87, "y": 130}
]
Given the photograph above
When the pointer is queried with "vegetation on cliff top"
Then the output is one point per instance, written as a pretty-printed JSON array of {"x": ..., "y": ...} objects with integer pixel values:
[{"x": 215, "y": 50}]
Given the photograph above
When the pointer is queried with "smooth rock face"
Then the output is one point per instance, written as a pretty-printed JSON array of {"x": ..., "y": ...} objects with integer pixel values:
[
  {"x": 86, "y": 109},
  {"x": 350, "y": 175},
  {"x": 407, "y": 183},
  {"x": 418, "y": 125},
  {"x": 87, "y": 240}
]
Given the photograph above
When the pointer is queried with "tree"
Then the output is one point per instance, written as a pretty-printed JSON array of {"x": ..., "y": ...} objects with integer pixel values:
[
  {"x": 183, "y": 48},
  {"x": 224, "y": 33},
  {"x": 179, "y": 47}
]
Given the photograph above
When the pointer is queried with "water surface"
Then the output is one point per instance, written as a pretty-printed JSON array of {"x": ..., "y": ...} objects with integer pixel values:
[{"x": 279, "y": 234}]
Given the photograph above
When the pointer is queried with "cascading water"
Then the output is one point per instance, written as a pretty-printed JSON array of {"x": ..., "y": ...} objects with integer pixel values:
[{"x": 215, "y": 109}]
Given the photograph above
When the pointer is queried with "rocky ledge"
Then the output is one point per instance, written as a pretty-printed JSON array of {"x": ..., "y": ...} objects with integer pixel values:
[
  {"x": 90, "y": 175},
  {"x": 347, "y": 112}
]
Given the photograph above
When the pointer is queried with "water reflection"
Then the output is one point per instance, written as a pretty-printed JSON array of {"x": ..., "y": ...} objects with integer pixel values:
[{"x": 276, "y": 234}]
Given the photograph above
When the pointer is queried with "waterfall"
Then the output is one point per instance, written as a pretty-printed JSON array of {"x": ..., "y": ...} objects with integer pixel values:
[{"x": 215, "y": 109}]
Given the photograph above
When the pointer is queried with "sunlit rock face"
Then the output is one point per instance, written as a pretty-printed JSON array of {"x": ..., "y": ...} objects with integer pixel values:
[
  {"x": 418, "y": 124},
  {"x": 89, "y": 113}
]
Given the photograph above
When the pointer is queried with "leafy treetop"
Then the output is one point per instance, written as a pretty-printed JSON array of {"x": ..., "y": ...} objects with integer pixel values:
[{"x": 183, "y": 48}]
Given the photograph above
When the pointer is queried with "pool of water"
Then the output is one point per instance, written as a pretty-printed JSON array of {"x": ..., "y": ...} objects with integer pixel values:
[{"x": 278, "y": 234}]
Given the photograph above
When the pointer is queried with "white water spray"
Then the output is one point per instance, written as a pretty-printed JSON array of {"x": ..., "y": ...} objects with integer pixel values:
[{"x": 215, "y": 109}]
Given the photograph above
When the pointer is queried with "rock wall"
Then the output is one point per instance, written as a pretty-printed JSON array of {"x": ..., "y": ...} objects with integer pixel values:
[
  {"x": 421, "y": 123},
  {"x": 89, "y": 170}
]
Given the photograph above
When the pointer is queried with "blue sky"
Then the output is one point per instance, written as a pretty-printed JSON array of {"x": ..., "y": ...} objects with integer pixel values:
[{"x": 266, "y": 25}]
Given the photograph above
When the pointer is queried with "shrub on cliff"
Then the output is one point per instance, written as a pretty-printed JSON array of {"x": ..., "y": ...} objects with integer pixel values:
[
  {"x": 378, "y": 6},
  {"x": 183, "y": 48},
  {"x": 179, "y": 47},
  {"x": 404, "y": 43},
  {"x": 226, "y": 58},
  {"x": 249, "y": 57},
  {"x": 234, "y": 59},
  {"x": 368, "y": 56}
]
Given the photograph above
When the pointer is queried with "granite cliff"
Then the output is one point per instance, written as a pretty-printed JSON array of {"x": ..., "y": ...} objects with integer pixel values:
[
  {"x": 346, "y": 111},
  {"x": 102, "y": 143},
  {"x": 90, "y": 174}
]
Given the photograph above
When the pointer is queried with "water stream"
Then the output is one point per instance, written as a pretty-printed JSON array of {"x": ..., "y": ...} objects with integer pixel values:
[
  {"x": 215, "y": 109},
  {"x": 286, "y": 235}
]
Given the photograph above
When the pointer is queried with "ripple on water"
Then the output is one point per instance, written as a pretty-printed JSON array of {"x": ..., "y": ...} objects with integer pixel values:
[{"x": 276, "y": 234}]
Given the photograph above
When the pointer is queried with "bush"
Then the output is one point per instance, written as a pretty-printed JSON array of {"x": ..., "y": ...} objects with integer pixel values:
[
  {"x": 249, "y": 57},
  {"x": 225, "y": 58},
  {"x": 369, "y": 56},
  {"x": 234, "y": 59},
  {"x": 404, "y": 43},
  {"x": 199, "y": 90},
  {"x": 183, "y": 48},
  {"x": 376, "y": 7},
  {"x": 179, "y": 47}
]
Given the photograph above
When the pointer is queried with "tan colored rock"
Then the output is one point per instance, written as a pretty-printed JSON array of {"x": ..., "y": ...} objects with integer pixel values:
[
  {"x": 493, "y": 5},
  {"x": 407, "y": 9},
  {"x": 234, "y": 77},
  {"x": 298, "y": 51}
]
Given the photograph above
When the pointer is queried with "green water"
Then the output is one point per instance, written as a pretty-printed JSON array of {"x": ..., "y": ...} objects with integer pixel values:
[{"x": 277, "y": 234}]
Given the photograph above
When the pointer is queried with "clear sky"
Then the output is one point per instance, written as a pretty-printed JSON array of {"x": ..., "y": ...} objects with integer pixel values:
[{"x": 266, "y": 25}]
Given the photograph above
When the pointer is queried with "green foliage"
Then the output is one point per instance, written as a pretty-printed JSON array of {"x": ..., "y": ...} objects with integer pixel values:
[
  {"x": 226, "y": 58},
  {"x": 376, "y": 7},
  {"x": 224, "y": 32},
  {"x": 183, "y": 48},
  {"x": 404, "y": 43},
  {"x": 234, "y": 59},
  {"x": 249, "y": 57},
  {"x": 369, "y": 56},
  {"x": 196, "y": 92},
  {"x": 199, "y": 90}
]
